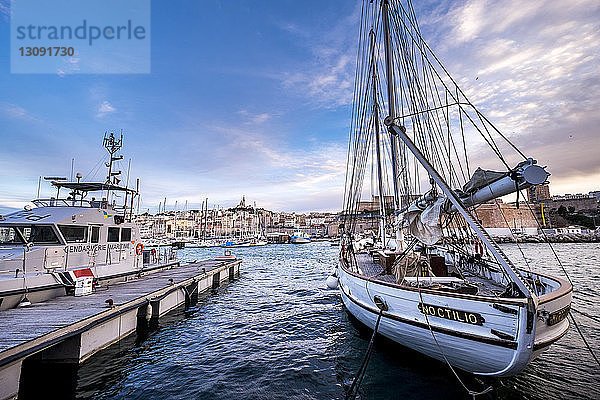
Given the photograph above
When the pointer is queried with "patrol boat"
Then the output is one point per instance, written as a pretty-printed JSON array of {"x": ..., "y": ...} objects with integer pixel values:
[{"x": 68, "y": 245}]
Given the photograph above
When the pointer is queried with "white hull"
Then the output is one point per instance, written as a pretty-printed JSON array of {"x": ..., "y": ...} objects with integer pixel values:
[
  {"x": 467, "y": 346},
  {"x": 299, "y": 240},
  {"x": 45, "y": 286}
]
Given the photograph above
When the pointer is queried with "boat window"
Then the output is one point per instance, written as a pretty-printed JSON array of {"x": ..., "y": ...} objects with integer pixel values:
[
  {"x": 8, "y": 236},
  {"x": 113, "y": 234},
  {"x": 40, "y": 234},
  {"x": 95, "y": 234},
  {"x": 36, "y": 234},
  {"x": 125, "y": 234},
  {"x": 74, "y": 233}
]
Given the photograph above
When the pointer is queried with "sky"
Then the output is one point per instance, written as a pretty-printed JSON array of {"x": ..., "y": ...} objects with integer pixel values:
[{"x": 253, "y": 98}]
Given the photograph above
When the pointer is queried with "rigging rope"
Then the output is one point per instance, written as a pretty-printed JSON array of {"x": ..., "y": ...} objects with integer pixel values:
[
  {"x": 472, "y": 393},
  {"x": 586, "y": 315},
  {"x": 427, "y": 50},
  {"x": 571, "y": 282}
]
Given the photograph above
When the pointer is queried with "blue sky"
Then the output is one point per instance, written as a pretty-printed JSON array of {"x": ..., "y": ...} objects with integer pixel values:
[{"x": 253, "y": 98}]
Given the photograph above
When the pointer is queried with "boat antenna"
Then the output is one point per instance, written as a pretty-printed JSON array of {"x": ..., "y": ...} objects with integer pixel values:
[
  {"x": 39, "y": 186},
  {"x": 127, "y": 187},
  {"x": 112, "y": 145}
]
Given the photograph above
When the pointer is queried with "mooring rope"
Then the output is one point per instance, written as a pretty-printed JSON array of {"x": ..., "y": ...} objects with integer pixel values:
[
  {"x": 584, "y": 339},
  {"x": 586, "y": 315},
  {"x": 363, "y": 367}
]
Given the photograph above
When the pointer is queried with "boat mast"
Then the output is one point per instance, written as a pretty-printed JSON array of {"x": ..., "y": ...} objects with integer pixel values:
[
  {"x": 205, "y": 220},
  {"x": 391, "y": 116},
  {"x": 377, "y": 143}
]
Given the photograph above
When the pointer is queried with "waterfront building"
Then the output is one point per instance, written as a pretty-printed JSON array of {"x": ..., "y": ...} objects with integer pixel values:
[
  {"x": 537, "y": 194},
  {"x": 506, "y": 219},
  {"x": 239, "y": 221}
]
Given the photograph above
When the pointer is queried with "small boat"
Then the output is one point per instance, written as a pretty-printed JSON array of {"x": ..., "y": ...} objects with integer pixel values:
[
  {"x": 258, "y": 242},
  {"x": 299, "y": 237},
  {"x": 203, "y": 243},
  {"x": 231, "y": 243},
  {"x": 431, "y": 278},
  {"x": 226, "y": 256},
  {"x": 68, "y": 245}
]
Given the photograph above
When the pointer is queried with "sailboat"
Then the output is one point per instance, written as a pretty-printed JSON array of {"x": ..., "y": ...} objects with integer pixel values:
[{"x": 432, "y": 279}]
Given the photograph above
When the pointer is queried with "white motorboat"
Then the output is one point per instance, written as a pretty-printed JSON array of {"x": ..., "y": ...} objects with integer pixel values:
[{"x": 69, "y": 245}]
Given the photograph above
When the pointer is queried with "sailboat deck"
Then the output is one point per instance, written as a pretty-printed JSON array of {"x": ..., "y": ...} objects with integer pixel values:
[
  {"x": 373, "y": 270},
  {"x": 487, "y": 287}
]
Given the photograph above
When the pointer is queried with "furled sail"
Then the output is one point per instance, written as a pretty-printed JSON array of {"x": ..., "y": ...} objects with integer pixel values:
[
  {"x": 482, "y": 178},
  {"x": 424, "y": 221}
]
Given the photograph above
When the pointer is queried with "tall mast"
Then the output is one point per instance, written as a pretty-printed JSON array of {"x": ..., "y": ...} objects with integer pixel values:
[
  {"x": 377, "y": 143},
  {"x": 175, "y": 228},
  {"x": 391, "y": 116},
  {"x": 205, "y": 219}
]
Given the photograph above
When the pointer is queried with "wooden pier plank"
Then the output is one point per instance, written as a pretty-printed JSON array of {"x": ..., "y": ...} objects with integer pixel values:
[{"x": 18, "y": 326}]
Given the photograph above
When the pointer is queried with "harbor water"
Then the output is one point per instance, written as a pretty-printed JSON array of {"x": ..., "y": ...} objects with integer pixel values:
[{"x": 278, "y": 333}]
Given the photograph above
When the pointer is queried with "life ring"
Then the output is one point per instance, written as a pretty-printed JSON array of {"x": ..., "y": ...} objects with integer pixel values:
[
  {"x": 478, "y": 248},
  {"x": 139, "y": 249}
]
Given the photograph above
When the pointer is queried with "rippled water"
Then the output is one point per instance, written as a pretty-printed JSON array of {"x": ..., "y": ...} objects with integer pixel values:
[{"x": 278, "y": 333}]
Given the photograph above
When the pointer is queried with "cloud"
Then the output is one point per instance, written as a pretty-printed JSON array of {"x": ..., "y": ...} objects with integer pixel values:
[
  {"x": 326, "y": 78},
  {"x": 14, "y": 111},
  {"x": 254, "y": 118},
  {"x": 292, "y": 28},
  {"x": 5, "y": 9},
  {"x": 105, "y": 108},
  {"x": 533, "y": 69},
  {"x": 230, "y": 161},
  {"x": 69, "y": 66}
]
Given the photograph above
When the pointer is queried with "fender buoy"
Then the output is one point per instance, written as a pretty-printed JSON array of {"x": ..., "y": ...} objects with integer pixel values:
[
  {"x": 153, "y": 252},
  {"x": 332, "y": 282},
  {"x": 139, "y": 249},
  {"x": 479, "y": 248}
]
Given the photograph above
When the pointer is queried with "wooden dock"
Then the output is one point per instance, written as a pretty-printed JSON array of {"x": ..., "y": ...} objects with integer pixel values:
[{"x": 71, "y": 329}]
